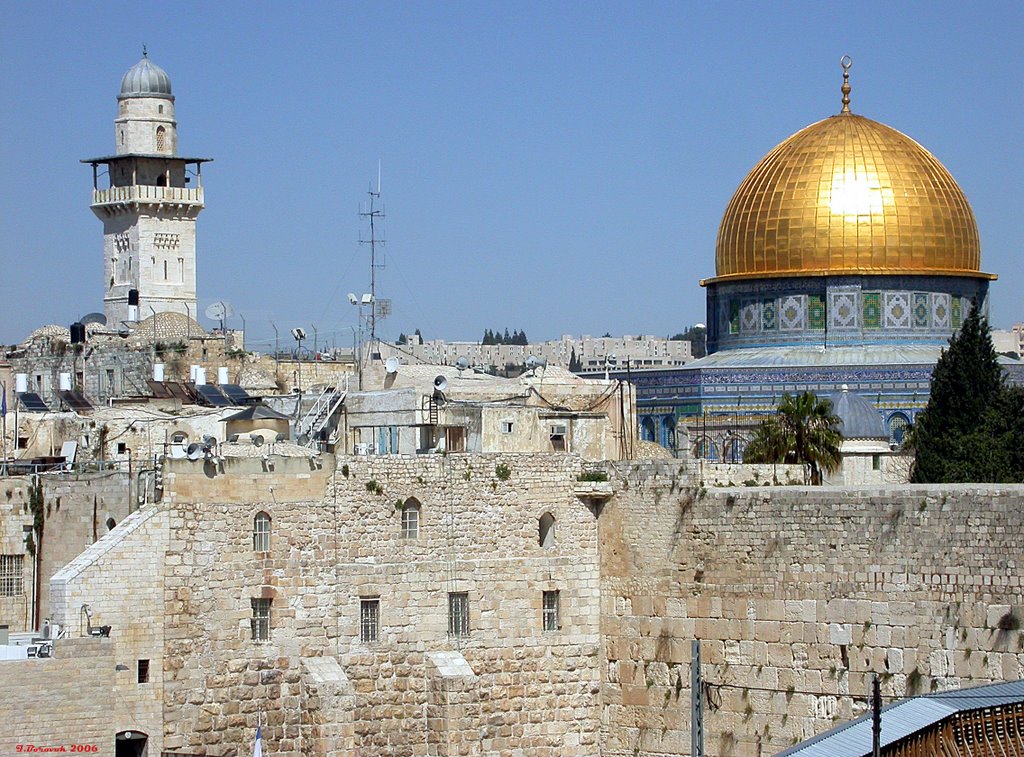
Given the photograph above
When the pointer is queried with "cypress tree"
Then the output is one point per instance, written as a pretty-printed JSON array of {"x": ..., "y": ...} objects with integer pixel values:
[{"x": 965, "y": 433}]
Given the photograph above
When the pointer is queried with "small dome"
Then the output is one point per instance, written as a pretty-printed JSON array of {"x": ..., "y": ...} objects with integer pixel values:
[
  {"x": 169, "y": 326},
  {"x": 859, "y": 418},
  {"x": 145, "y": 80}
]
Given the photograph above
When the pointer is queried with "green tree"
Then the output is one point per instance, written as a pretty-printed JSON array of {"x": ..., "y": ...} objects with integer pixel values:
[
  {"x": 803, "y": 430},
  {"x": 971, "y": 429}
]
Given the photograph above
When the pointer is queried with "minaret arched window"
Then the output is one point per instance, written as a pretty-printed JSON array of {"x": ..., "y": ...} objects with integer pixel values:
[
  {"x": 261, "y": 532},
  {"x": 161, "y": 134}
]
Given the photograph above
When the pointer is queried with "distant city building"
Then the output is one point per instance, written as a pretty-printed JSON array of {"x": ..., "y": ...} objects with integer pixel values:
[
  {"x": 590, "y": 353},
  {"x": 149, "y": 206},
  {"x": 1009, "y": 340}
]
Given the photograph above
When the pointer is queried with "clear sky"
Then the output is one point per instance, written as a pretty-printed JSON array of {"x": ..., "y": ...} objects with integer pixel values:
[{"x": 558, "y": 167}]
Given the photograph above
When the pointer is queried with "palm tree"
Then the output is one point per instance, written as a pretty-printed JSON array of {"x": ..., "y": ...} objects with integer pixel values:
[{"x": 803, "y": 430}]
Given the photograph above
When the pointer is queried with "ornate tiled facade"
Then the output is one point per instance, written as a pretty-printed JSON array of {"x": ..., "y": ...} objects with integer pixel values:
[{"x": 839, "y": 310}]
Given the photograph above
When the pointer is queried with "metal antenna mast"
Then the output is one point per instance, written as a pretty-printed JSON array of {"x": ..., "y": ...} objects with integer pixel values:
[{"x": 373, "y": 214}]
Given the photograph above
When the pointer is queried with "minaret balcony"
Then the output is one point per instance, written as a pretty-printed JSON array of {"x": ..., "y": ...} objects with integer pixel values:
[{"x": 145, "y": 194}]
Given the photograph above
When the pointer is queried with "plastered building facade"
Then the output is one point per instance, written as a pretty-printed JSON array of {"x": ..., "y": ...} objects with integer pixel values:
[{"x": 797, "y": 594}]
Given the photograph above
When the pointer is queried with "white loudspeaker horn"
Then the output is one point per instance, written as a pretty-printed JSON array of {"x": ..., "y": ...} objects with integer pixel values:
[
  {"x": 440, "y": 383},
  {"x": 194, "y": 451}
]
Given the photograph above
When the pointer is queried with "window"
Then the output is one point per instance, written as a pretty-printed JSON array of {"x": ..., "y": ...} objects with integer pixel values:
[
  {"x": 12, "y": 581},
  {"x": 261, "y": 619},
  {"x": 122, "y": 448},
  {"x": 369, "y": 619},
  {"x": 876, "y": 462},
  {"x": 159, "y": 108},
  {"x": 261, "y": 532},
  {"x": 143, "y": 671},
  {"x": 547, "y": 530},
  {"x": 506, "y": 427},
  {"x": 549, "y": 612},
  {"x": 411, "y": 519},
  {"x": 161, "y": 133},
  {"x": 111, "y": 523},
  {"x": 165, "y": 270},
  {"x": 110, "y": 380},
  {"x": 458, "y": 613}
]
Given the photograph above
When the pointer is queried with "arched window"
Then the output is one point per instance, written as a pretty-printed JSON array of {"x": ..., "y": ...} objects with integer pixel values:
[
  {"x": 261, "y": 532},
  {"x": 161, "y": 134},
  {"x": 547, "y": 530},
  {"x": 898, "y": 424},
  {"x": 647, "y": 429},
  {"x": 706, "y": 449},
  {"x": 159, "y": 108},
  {"x": 668, "y": 432},
  {"x": 111, "y": 523},
  {"x": 411, "y": 519},
  {"x": 732, "y": 450}
]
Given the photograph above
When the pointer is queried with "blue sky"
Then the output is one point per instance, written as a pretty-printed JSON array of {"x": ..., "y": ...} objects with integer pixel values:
[{"x": 553, "y": 167}]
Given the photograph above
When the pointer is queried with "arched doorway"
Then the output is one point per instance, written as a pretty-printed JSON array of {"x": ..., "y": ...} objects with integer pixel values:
[
  {"x": 668, "y": 432},
  {"x": 647, "y": 429},
  {"x": 131, "y": 744}
]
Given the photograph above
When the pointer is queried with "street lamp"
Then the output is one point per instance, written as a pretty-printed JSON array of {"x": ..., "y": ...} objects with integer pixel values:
[{"x": 299, "y": 334}]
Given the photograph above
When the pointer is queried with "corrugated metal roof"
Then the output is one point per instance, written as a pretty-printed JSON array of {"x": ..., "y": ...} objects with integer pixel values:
[{"x": 903, "y": 718}]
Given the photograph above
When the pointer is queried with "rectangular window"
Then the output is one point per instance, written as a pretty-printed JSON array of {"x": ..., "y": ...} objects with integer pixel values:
[
  {"x": 550, "y": 611},
  {"x": 110, "y": 380},
  {"x": 410, "y": 521},
  {"x": 506, "y": 427},
  {"x": 369, "y": 619},
  {"x": 143, "y": 671},
  {"x": 122, "y": 448},
  {"x": 876, "y": 462},
  {"x": 458, "y": 613},
  {"x": 261, "y": 619},
  {"x": 12, "y": 581}
]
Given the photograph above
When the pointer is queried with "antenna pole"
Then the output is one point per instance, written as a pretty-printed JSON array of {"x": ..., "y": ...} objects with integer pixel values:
[{"x": 373, "y": 214}]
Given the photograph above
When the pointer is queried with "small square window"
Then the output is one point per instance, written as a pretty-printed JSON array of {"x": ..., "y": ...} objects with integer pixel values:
[
  {"x": 550, "y": 611},
  {"x": 260, "y": 619},
  {"x": 506, "y": 427},
  {"x": 143, "y": 671},
  {"x": 369, "y": 619},
  {"x": 121, "y": 448},
  {"x": 458, "y": 613}
]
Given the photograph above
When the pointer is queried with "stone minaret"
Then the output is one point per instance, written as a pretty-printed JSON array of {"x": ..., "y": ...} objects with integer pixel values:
[{"x": 149, "y": 206}]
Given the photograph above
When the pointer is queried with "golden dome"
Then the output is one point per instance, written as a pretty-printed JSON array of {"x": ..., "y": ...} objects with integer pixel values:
[{"x": 848, "y": 195}]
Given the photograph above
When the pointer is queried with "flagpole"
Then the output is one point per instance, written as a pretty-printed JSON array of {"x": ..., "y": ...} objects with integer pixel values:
[{"x": 3, "y": 423}]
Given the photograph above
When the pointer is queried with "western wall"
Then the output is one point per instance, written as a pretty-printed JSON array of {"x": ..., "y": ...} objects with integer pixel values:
[{"x": 797, "y": 594}]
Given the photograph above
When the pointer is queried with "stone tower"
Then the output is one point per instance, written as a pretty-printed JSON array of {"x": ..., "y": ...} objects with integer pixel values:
[{"x": 149, "y": 206}]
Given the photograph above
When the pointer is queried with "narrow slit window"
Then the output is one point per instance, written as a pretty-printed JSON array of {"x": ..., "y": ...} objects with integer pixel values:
[{"x": 161, "y": 137}]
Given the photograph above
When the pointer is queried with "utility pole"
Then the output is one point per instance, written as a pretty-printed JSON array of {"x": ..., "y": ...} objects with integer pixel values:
[
  {"x": 374, "y": 213},
  {"x": 696, "y": 702},
  {"x": 876, "y": 716}
]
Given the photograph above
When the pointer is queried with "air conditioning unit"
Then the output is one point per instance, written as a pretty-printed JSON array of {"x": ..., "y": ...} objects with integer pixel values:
[
  {"x": 362, "y": 449},
  {"x": 558, "y": 430}
]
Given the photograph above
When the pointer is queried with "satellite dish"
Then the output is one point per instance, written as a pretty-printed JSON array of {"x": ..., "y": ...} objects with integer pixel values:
[
  {"x": 533, "y": 362},
  {"x": 93, "y": 318},
  {"x": 462, "y": 364},
  {"x": 440, "y": 383},
  {"x": 194, "y": 451},
  {"x": 178, "y": 451},
  {"x": 391, "y": 366},
  {"x": 257, "y": 440},
  {"x": 210, "y": 440}
]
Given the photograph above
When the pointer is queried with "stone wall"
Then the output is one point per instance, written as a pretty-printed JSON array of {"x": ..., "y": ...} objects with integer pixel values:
[
  {"x": 120, "y": 579},
  {"x": 78, "y": 509},
  {"x": 507, "y": 686},
  {"x": 60, "y": 701},
  {"x": 798, "y": 594}
]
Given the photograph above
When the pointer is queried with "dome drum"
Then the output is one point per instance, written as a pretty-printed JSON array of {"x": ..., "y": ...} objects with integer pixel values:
[{"x": 839, "y": 310}]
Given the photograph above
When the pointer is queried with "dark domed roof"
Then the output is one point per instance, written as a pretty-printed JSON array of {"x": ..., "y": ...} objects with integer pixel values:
[
  {"x": 145, "y": 80},
  {"x": 860, "y": 419}
]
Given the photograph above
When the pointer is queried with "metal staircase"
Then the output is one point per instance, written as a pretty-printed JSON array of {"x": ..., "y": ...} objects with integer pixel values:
[{"x": 320, "y": 414}]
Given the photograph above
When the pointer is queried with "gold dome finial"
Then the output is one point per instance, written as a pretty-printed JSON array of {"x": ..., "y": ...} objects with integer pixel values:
[{"x": 846, "y": 62}]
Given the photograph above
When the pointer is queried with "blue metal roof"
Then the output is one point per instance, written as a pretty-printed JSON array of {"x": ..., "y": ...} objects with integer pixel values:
[{"x": 906, "y": 717}]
